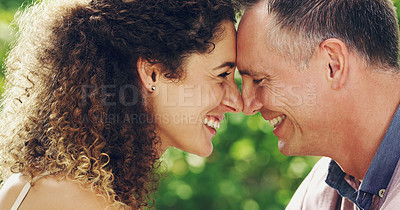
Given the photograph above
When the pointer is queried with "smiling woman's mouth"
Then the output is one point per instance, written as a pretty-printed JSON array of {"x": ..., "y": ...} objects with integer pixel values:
[{"x": 211, "y": 122}]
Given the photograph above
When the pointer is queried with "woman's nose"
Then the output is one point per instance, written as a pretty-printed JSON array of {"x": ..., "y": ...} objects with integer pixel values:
[{"x": 232, "y": 100}]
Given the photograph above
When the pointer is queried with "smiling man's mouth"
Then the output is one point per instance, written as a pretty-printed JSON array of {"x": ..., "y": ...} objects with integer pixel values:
[{"x": 275, "y": 122}]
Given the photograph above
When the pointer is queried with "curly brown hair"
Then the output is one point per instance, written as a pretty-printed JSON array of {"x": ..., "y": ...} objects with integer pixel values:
[{"x": 58, "y": 115}]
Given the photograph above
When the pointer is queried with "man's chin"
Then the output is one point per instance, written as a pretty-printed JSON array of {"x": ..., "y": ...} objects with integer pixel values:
[
  {"x": 287, "y": 149},
  {"x": 283, "y": 148}
]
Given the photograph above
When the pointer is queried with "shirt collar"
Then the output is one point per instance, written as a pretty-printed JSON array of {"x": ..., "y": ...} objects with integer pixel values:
[
  {"x": 379, "y": 172},
  {"x": 384, "y": 163},
  {"x": 336, "y": 179}
]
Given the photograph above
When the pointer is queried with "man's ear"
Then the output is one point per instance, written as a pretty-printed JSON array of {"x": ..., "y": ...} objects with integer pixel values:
[
  {"x": 337, "y": 62},
  {"x": 149, "y": 73}
]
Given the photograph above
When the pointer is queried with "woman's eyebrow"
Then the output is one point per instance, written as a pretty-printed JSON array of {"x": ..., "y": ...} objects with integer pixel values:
[{"x": 229, "y": 64}]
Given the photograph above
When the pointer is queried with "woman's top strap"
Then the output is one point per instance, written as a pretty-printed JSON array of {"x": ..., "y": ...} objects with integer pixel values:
[
  {"x": 25, "y": 191},
  {"x": 21, "y": 196}
]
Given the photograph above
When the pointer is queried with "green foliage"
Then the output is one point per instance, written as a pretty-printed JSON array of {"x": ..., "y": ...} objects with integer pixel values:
[
  {"x": 245, "y": 171},
  {"x": 397, "y": 5},
  {"x": 11, "y": 5}
]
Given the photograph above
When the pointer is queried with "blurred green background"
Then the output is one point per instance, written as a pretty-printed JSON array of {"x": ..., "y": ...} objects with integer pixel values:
[{"x": 246, "y": 170}]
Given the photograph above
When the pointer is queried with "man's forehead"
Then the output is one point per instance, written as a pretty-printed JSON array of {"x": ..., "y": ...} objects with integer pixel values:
[
  {"x": 251, "y": 46},
  {"x": 255, "y": 16},
  {"x": 252, "y": 30}
]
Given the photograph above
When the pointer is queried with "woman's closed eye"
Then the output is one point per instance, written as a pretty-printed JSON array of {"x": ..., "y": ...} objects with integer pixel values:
[{"x": 225, "y": 74}]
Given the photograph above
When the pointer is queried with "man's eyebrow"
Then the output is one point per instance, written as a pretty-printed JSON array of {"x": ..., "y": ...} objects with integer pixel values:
[
  {"x": 246, "y": 72},
  {"x": 226, "y": 64},
  {"x": 255, "y": 74}
]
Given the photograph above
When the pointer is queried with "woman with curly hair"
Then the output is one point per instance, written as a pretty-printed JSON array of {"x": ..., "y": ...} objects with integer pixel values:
[{"x": 98, "y": 90}]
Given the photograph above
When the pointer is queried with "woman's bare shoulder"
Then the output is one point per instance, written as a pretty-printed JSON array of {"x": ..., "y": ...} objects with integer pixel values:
[{"x": 51, "y": 192}]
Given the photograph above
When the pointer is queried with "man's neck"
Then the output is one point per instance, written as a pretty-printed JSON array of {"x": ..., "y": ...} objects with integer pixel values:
[{"x": 371, "y": 116}]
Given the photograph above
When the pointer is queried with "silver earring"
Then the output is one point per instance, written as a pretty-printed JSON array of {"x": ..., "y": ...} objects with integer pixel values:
[{"x": 153, "y": 88}]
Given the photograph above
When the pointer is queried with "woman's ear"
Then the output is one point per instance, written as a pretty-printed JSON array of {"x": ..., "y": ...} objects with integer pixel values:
[
  {"x": 149, "y": 73},
  {"x": 337, "y": 63}
]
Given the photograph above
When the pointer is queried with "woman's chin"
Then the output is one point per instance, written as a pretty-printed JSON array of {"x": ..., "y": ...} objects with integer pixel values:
[
  {"x": 205, "y": 154},
  {"x": 202, "y": 152}
]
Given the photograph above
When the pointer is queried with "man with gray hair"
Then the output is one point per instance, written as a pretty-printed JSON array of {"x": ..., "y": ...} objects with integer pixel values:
[{"x": 325, "y": 74}]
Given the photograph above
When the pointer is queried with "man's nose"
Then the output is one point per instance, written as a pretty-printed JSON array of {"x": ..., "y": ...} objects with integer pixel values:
[{"x": 251, "y": 104}]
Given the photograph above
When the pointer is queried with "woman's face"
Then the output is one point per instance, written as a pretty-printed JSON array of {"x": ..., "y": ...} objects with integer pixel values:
[{"x": 188, "y": 113}]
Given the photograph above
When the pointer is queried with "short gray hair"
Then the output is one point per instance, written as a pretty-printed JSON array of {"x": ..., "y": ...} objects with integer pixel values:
[{"x": 368, "y": 27}]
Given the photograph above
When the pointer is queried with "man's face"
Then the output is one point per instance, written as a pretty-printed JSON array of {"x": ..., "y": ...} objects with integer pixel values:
[{"x": 295, "y": 101}]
